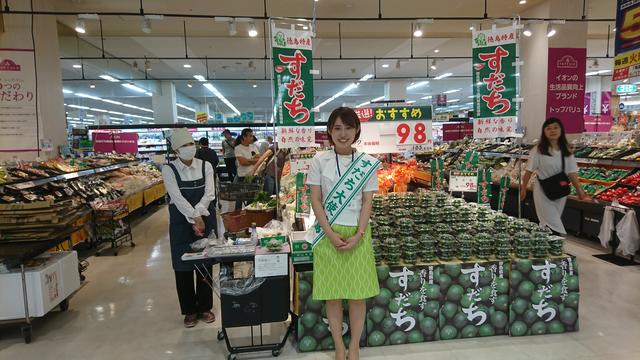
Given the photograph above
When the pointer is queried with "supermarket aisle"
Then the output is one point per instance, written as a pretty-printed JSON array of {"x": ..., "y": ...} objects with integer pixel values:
[{"x": 128, "y": 309}]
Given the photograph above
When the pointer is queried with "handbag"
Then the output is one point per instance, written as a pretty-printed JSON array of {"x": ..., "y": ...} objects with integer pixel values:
[{"x": 556, "y": 186}]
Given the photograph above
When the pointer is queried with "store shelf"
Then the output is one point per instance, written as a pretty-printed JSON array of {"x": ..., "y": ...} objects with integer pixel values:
[
  {"x": 592, "y": 161},
  {"x": 68, "y": 176}
]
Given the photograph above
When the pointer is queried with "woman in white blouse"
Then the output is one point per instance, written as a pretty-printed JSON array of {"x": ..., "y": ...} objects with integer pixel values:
[{"x": 546, "y": 161}]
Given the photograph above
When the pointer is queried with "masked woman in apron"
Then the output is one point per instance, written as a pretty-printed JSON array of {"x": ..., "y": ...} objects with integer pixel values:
[
  {"x": 343, "y": 182},
  {"x": 190, "y": 185}
]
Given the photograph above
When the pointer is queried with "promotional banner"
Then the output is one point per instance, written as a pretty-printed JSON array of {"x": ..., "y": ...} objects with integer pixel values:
[
  {"x": 293, "y": 84},
  {"x": 605, "y": 103},
  {"x": 627, "y": 60},
  {"x": 470, "y": 162},
  {"x": 437, "y": 173},
  {"x": 303, "y": 194},
  {"x": 587, "y": 104},
  {"x": 565, "y": 87},
  {"x": 598, "y": 123},
  {"x": 494, "y": 54},
  {"x": 395, "y": 129},
  {"x": 18, "y": 123},
  {"x": 456, "y": 131},
  {"x": 106, "y": 142},
  {"x": 505, "y": 183}
]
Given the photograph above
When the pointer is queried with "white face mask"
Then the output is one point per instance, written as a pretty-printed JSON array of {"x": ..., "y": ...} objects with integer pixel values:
[{"x": 187, "y": 153}]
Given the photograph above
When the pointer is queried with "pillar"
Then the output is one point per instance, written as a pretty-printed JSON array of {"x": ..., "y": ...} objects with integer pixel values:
[
  {"x": 534, "y": 54},
  {"x": 164, "y": 103},
  {"x": 395, "y": 90},
  {"x": 51, "y": 123}
]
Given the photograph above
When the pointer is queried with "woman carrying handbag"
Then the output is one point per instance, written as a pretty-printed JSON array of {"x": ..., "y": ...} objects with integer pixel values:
[{"x": 556, "y": 167}]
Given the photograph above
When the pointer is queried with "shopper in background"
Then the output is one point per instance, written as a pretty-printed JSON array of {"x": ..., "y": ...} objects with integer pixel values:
[
  {"x": 247, "y": 155},
  {"x": 207, "y": 154},
  {"x": 343, "y": 261},
  {"x": 270, "y": 171},
  {"x": 270, "y": 140},
  {"x": 546, "y": 161},
  {"x": 229, "y": 154},
  {"x": 263, "y": 146},
  {"x": 190, "y": 184}
]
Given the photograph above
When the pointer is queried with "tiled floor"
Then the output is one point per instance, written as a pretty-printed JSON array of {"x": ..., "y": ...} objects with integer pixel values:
[{"x": 128, "y": 309}]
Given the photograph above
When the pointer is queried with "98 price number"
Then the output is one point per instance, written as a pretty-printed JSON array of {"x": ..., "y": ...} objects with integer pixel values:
[{"x": 413, "y": 133}]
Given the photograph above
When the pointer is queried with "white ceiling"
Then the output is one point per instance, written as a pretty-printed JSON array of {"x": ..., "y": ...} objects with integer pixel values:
[{"x": 235, "y": 78}]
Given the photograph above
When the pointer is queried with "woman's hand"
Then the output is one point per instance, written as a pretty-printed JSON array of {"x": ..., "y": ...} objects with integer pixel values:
[
  {"x": 337, "y": 241},
  {"x": 351, "y": 242},
  {"x": 198, "y": 227},
  {"x": 582, "y": 195}
]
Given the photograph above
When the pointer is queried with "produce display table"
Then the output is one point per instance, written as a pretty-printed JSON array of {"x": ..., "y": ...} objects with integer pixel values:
[
  {"x": 135, "y": 201},
  {"x": 452, "y": 300},
  {"x": 153, "y": 193}
]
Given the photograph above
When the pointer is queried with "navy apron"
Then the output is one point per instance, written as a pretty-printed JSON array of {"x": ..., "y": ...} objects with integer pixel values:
[{"x": 181, "y": 233}]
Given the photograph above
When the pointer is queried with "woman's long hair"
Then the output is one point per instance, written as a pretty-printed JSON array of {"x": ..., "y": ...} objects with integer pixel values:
[
  {"x": 244, "y": 133},
  {"x": 543, "y": 144}
]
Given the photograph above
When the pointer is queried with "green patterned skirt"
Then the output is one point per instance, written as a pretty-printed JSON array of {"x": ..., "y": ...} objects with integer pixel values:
[{"x": 344, "y": 274}]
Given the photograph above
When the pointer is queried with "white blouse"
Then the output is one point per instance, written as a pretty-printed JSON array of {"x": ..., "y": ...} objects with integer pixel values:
[
  {"x": 546, "y": 166},
  {"x": 324, "y": 172}
]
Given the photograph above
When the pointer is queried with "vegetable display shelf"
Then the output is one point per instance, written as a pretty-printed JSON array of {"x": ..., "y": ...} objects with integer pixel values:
[
  {"x": 22, "y": 185},
  {"x": 153, "y": 193}
]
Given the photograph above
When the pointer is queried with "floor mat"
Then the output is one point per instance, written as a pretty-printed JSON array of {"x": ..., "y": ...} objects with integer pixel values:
[{"x": 614, "y": 259}]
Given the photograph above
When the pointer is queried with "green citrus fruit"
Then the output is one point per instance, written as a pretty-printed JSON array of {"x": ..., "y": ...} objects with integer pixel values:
[
  {"x": 377, "y": 314},
  {"x": 455, "y": 293},
  {"x": 469, "y": 331},
  {"x": 376, "y": 338},
  {"x": 539, "y": 328},
  {"x": 518, "y": 328},
  {"x": 307, "y": 343},
  {"x": 486, "y": 330},
  {"x": 448, "y": 332},
  {"x": 415, "y": 336},
  {"x": 383, "y": 297},
  {"x": 388, "y": 325},
  {"x": 428, "y": 326},
  {"x": 398, "y": 338},
  {"x": 555, "y": 327},
  {"x": 499, "y": 319}
]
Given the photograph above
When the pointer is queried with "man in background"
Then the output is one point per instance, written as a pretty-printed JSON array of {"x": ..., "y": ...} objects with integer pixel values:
[
  {"x": 229, "y": 154},
  {"x": 207, "y": 154}
]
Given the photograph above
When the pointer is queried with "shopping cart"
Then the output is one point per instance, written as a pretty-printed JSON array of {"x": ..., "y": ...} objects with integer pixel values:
[{"x": 110, "y": 225}]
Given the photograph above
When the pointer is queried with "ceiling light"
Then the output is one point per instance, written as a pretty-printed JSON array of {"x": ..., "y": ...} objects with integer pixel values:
[
  {"x": 472, "y": 27},
  {"x": 418, "y": 31},
  {"x": 146, "y": 25},
  {"x": 66, "y": 91},
  {"x": 453, "y": 100},
  {"x": 426, "y": 97},
  {"x": 186, "y": 66},
  {"x": 410, "y": 101},
  {"x": 185, "y": 107},
  {"x": 614, "y": 30},
  {"x": 232, "y": 28},
  {"x": 417, "y": 85},
  {"x": 79, "y": 107},
  {"x": 443, "y": 76},
  {"x": 92, "y": 85},
  {"x": 366, "y": 77},
  {"x": 189, "y": 84},
  {"x": 134, "y": 88},
  {"x": 336, "y": 95},
  {"x": 305, "y": 28},
  {"x": 186, "y": 119},
  {"x": 526, "y": 31},
  {"x": 77, "y": 66},
  {"x": 80, "y": 26},
  {"x": 99, "y": 110},
  {"x": 451, "y": 91},
  {"x": 551, "y": 31},
  {"x": 254, "y": 86},
  {"x": 199, "y": 78},
  {"x": 522, "y": 2},
  {"x": 252, "y": 30},
  {"x": 385, "y": 65},
  {"x": 219, "y": 95},
  {"x": 433, "y": 64},
  {"x": 83, "y": 95},
  {"x": 110, "y": 78},
  {"x": 112, "y": 102},
  {"x": 436, "y": 51}
]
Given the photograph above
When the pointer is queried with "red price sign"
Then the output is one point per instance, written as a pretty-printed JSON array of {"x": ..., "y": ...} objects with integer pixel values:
[{"x": 414, "y": 133}]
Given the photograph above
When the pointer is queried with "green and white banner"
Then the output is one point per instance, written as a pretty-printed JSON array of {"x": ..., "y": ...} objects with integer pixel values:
[
  {"x": 494, "y": 79},
  {"x": 437, "y": 173},
  {"x": 484, "y": 187},
  {"x": 505, "y": 183},
  {"x": 293, "y": 85}
]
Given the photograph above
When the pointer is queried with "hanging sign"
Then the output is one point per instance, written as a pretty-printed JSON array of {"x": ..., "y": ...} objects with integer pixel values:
[
  {"x": 202, "y": 117},
  {"x": 293, "y": 84},
  {"x": 464, "y": 181},
  {"x": 627, "y": 60},
  {"x": 494, "y": 54},
  {"x": 598, "y": 123},
  {"x": 303, "y": 194},
  {"x": 395, "y": 129},
  {"x": 565, "y": 90},
  {"x": 470, "y": 161},
  {"x": 456, "y": 131},
  {"x": 605, "y": 103},
  {"x": 441, "y": 100},
  {"x": 300, "y": 163},
  {"x": 106, "y": 142},
  {"x": 484, "y": 187},
  {"x": 18, "y": 122}
]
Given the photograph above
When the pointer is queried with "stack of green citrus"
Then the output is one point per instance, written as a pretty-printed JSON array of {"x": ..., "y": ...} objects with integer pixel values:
[
  {"x": 427, "y": 247},
  {"x": 540, "y": 245},
  {"x": 419, "y": 215},
  {"x": 409, "y": 200},
  {"x": 433, "y": 215},
  {"x": 556, "y": 245},
  {"x": 447, "y": 247},
  {"x": 503, "y": 245},
  {"x": 465, "y": 246},
  {"x": 484, "y": 245},
  {"x": 394, "y": 201},
  {"x": 523, "y": 244},
  {"x": 393, "y": 251}
]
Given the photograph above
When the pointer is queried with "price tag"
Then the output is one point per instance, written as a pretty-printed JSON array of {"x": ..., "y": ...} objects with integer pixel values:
[
  {"x": 271, "y": 265},
  {"x": 413, "y": 133},
  {"x": 466, "y": 181}
]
